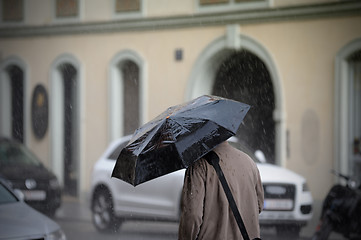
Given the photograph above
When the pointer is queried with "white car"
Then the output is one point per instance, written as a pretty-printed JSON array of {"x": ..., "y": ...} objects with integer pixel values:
[{"x": 288, "y": 203}]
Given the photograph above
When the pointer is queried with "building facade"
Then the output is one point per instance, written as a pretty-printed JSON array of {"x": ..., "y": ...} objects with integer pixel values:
[{"x": 104, "y": 68}]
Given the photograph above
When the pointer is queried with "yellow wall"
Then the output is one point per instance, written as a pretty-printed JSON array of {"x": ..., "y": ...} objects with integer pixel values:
[
  {"x": 303, "y": 51},
  {"x": 305, "y": 54}
]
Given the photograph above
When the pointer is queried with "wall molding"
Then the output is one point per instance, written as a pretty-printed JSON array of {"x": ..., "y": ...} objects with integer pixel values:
[{"x": 338, "y": 9}]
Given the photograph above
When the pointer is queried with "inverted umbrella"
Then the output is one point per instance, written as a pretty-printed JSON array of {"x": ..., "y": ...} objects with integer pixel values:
[{"x": 178, "y": 137}]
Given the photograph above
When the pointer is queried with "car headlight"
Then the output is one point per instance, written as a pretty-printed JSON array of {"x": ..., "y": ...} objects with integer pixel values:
[
  {"x": 57, "y": 235},
  {"x": 53, "y": 183},
  {"x": 305, "y": 187}
]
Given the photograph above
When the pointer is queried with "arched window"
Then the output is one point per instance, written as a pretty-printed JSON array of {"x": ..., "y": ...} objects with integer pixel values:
[
  {"x": 70, "y": 112},
  {"x": 65, "y": 114},
  {"x": 130, "y": 72},
  {"x": 12, "y": 102},
  {"x": 17, "y": 102},
  {"x": 127, "y": 94}
]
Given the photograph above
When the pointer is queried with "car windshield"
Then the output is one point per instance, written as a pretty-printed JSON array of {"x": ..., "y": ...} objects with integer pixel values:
[
  {"x": 14, "y": 154},
  {"x": 5, "y": 195}
]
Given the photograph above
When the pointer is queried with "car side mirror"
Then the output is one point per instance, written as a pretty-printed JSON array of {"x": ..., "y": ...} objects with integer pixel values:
[{"x": 260, "y": 156}]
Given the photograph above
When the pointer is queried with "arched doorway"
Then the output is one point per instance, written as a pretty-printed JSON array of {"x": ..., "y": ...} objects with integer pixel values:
[
  {"x": 355, "y": 113},
  {"x": 347, "y": 143},
  {"x": 127, "y": 93},
  {"x": 12, "y": 107},
  {"x": 208, "y": 66},
  {"x": 245, "y": 78},
  {"x": 65, "y": 111}
]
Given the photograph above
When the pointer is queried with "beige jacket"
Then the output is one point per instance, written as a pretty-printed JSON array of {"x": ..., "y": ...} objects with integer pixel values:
[{"x": 205, "y": 209}]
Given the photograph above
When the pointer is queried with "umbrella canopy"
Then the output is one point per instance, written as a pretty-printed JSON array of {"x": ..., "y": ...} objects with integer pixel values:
[{"x": 178, "y": 137}]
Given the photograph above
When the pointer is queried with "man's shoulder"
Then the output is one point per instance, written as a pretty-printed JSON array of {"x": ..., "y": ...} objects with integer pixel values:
[{"x": 239, "y": 151}]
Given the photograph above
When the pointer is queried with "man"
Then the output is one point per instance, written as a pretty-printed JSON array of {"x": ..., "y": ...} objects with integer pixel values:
[{"x": 205, "y": 210}]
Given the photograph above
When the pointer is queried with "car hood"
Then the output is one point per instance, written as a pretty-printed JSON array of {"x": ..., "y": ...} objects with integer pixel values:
[
  {"x": 22, "y": 173},
  {"x": 19, "y": 221},
  {"x": 275, "y": 174}
]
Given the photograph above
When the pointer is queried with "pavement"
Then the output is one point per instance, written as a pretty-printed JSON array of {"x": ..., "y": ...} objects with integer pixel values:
[{"x": 75, "y": 211}]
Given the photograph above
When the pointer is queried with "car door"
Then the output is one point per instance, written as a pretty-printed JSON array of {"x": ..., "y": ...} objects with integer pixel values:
[{"x": 159, "y": 196}]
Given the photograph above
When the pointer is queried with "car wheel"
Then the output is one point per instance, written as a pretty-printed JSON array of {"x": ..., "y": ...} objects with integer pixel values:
[{"x": 103, "y": 216}]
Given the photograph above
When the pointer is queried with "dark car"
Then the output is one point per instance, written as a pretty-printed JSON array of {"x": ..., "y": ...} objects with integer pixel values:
[
  {"x": 19, "y": 221},
  {"x": 25, "y": 172}
]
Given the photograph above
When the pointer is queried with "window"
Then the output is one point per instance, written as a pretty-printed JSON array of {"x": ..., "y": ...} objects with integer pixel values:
[
  {"x": 243, "y": 1},
  {"x": 5, "y": 195},
  {"x": 67, "y": 8},
  {"x": 125, "y": 9},
  {"x": 12, "y": 10},
  {"x": 127, "y": 95},
  {"x": 127, "y": 6},
  {"x": 230, "y": 5},
  {"x": 130, "y": 72},
  {"x": 206, "y": 2},
  {"x": 16, "y": 77}
]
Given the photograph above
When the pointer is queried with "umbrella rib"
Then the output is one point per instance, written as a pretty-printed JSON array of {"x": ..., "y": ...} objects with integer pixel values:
[{"x": 148, "y": 138}]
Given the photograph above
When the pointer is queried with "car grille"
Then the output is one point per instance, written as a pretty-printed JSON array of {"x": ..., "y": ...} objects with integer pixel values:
[
  {"x": 279, "y": 197},
  {"x": 52, "y": 198},
  {"x": 20, "y": 184}
]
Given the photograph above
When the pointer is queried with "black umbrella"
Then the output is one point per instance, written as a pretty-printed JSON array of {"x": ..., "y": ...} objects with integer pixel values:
[{"x": 178, "y": 137}]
